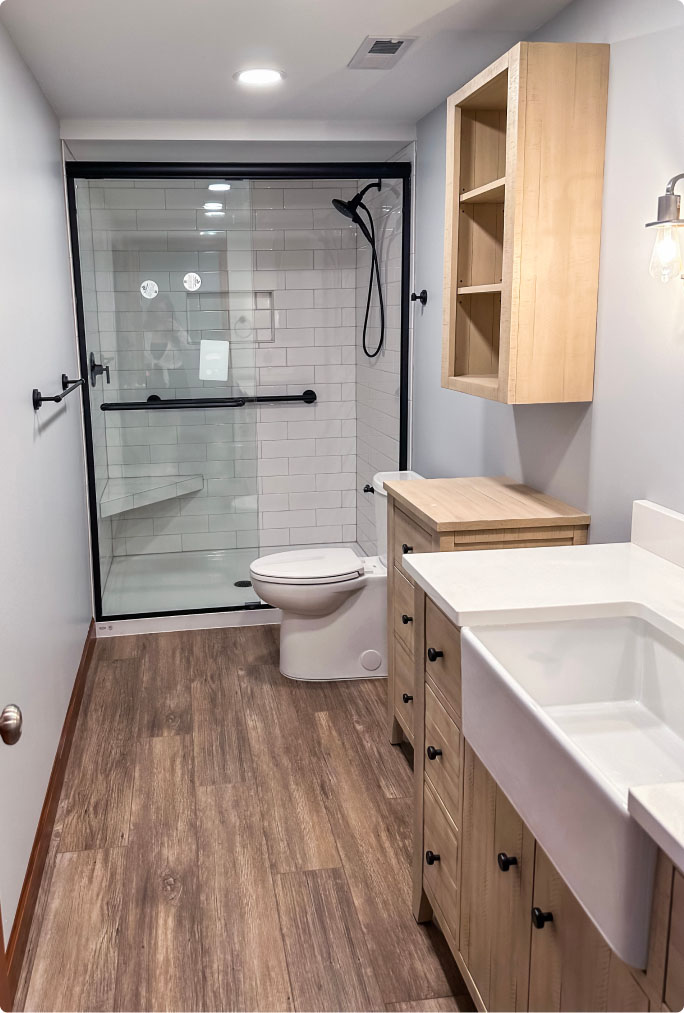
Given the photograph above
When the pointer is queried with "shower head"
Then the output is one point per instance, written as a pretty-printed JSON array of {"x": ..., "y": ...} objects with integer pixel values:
[
  {"x": 345, "y": 207},
  {"x": 348, "y": 208}
]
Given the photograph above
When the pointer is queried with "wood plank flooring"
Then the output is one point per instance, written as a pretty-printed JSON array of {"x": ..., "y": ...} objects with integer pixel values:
[{"x": 228, "y": 839}]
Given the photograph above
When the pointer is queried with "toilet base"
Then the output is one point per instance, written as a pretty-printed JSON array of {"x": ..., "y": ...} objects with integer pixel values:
[{"x": 349, "y": 643}]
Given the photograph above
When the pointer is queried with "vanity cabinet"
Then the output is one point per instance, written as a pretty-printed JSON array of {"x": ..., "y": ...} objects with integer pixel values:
[
  {"x": 453, "y": 515},
  {"x": 524, "y": 182},
  {"x": 521, "y": 939}
]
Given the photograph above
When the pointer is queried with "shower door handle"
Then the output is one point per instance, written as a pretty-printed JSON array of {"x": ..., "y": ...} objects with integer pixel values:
[{"x": 97, "y": 369}]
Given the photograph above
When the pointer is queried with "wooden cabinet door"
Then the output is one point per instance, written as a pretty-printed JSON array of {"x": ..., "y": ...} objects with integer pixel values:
[
  {"x": 674, "y": 983},
  {"x": 514, "y": 848},
  {"x": 495, "y": 904},
  {"x": 570, "y": 962}
]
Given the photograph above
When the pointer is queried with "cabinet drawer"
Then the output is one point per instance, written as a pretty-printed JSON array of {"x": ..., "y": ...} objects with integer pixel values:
[
  {"x": 443, "y": 645},
  {"x": 408, "y": 533},
  {"x": 403, "y": 684},
  {"x": 440, "y": 843},
  {"x": 443, "y": 770},
  {"x": 403, "y": 609},
  {"x": 674, "y": 983}
]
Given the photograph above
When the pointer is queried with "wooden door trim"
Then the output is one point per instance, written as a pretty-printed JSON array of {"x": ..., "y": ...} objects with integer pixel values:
[
  {"x": 18, "y": 940},
  {"x": 5, "y": 993}
]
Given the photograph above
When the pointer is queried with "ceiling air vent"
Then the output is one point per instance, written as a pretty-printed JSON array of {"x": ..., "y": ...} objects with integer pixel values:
[{"x": 377, "y": 53}]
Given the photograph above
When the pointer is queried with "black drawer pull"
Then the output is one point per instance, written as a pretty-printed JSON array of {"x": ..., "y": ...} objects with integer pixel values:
[
  {"x": 406, "y": 619},
  {"x": 505, "y": 861},
  {"x": 406, "y": 697},
  {"x": 433, "y": 753},
  {"x": 540, "y": 918},
  {"x": 431, "y": 857},
  {"x": 433, "y": 654},
  {"x": 406, "y": 548}
]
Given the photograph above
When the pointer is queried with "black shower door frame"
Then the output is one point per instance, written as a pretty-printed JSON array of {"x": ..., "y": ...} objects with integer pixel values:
[{"x": 210, "y": 170}]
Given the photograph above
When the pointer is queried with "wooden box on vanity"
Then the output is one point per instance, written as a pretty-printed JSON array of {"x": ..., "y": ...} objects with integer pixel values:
[{"x": 454, "y": 515}]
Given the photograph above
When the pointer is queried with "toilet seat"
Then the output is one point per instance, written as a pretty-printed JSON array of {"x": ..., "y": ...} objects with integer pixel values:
[{"x": 318, "y": 565}]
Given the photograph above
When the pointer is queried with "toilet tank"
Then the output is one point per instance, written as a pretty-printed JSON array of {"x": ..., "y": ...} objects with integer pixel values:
[{"x": 379, "y": 480}]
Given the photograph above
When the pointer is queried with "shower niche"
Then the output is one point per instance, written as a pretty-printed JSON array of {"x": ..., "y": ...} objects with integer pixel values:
[{"x": 524, "y": 183}]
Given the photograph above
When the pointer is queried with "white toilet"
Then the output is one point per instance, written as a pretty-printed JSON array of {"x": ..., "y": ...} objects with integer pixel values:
[{"x": 333, "y": 603}]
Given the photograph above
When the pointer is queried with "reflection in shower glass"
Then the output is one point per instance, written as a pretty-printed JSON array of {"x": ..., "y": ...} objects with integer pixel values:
[
  {"x": 169, "y": 307},
  {"x": 199, "y": 287}
]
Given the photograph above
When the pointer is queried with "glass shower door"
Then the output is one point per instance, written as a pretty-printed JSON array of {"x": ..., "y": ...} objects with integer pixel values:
[{"x": 171, "y": 321}]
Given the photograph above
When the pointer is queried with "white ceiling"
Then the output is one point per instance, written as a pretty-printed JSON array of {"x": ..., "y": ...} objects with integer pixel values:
[{"x": 174, "y": 59}]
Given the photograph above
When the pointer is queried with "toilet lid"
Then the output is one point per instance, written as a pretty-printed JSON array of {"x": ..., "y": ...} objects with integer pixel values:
[{"x": 317, "y": 565}]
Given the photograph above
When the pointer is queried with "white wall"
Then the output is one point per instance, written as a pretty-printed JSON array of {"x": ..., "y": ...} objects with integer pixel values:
[
  {"x": 628, "y": 444},
  {"x": 45, "y": 585}
]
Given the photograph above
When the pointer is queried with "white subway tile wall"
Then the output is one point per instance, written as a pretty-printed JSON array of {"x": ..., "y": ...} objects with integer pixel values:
[
  {"x": 277, "y": 475},
  {"x": 378, "y": 380}
]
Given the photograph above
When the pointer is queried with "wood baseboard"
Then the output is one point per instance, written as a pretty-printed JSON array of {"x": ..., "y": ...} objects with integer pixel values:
[{"x": 16, "y": 948}]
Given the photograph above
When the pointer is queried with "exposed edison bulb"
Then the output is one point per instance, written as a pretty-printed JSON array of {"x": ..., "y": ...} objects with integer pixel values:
[{"x": 666, "y": 260}]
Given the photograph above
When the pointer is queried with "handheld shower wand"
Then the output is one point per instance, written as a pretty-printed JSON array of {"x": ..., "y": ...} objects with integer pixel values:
[{"x": 350, "y": 209}]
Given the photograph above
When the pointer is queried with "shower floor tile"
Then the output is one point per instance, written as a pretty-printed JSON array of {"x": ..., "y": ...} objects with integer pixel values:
[
  {"x": 178, "y": 581},
  {"x": 183, "y": 581}
]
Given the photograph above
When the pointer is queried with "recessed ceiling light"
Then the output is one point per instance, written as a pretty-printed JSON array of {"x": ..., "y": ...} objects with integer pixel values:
[
  {"x": 212, "y": 205},
  {"x": 259, "y": 76},
  {"x": 219, "y": 186},
  {"x": 215, "y": 214}
]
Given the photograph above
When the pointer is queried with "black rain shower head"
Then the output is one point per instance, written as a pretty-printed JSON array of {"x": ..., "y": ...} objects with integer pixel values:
[{"x": 349, "y": 208}]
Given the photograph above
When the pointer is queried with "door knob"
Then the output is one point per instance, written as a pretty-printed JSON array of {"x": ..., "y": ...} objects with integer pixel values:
[
  {"x": 11, "y": 723},
  {"x": 505, "y": 861},
  {"x": 97, "y": 369},
  {"x": 433, "y": 753},
  {"x": 540, "y": 918},
  {"x": 433, "y": 654},
  {"x": 406, "y": 619},
  {"x": 431, "y": 857},
  {"x": 406, "y": 697}
]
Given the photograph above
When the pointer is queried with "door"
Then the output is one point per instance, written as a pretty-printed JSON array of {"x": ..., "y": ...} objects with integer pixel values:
[
  {"x": 170, "y": 325},
  {"x": 570, "y": 962},
  {"x": 496, "y": 885}
]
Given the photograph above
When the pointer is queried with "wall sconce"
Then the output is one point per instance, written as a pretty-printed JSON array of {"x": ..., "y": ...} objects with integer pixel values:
[{"x": 666, "y": 260}]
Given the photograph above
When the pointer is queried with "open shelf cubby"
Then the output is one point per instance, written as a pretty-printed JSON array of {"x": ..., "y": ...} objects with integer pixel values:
[{"x": 524, "y": 182}]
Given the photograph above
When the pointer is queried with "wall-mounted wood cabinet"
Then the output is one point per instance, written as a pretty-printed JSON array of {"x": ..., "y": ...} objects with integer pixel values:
[{"x": 524, "y": 185}]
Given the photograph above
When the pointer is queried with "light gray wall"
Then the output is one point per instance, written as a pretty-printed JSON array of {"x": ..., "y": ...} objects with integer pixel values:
[
  {"x": 628, "y": 443},
  {"x": 45, "y": 584}
]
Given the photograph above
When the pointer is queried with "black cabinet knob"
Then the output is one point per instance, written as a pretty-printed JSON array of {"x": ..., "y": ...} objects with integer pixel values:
[
  {"x": 431, "y": 857},
  {"x": 368, "y": 488},
  {"x": 406, "y": 697},
  {"x": 540, "y": 918},
  {"x": 505, "y": 861},
  {"x": 433, "y": 753},
  {"x": 406, "y": 619},
  {"x": 433, "y": 654},
  {"x": 406, "y": 548}
]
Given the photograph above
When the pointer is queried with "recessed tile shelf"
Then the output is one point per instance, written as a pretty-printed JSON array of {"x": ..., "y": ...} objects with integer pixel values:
[{"x": 120, "y": 494}]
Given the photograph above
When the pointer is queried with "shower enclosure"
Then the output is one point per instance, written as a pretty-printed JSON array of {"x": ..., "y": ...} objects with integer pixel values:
[{"x": 230, "y": 410}]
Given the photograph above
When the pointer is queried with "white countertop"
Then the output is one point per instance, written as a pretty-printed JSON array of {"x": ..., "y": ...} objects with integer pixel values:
[
  {"x": 483, "y": 588},
  {"x": 571, "y": 582}
]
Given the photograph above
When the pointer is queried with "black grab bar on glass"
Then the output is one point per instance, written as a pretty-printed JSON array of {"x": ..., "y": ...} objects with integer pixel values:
[{"x": 155, "y": 403}]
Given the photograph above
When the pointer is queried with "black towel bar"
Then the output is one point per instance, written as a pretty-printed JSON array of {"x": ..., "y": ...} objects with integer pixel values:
[
  {"x": 67, "y": 386},
  {"x": 155, "y": 403}
]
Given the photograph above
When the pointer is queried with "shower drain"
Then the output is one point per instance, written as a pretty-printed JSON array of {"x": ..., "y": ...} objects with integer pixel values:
[{"x": 243, "y": 583}]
